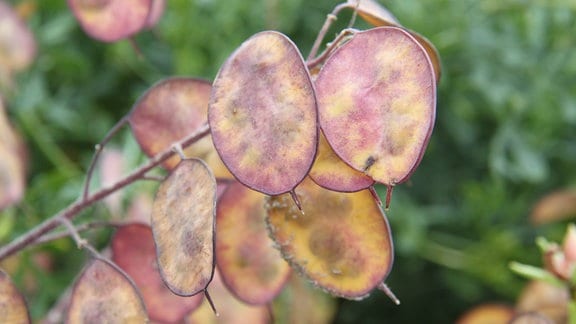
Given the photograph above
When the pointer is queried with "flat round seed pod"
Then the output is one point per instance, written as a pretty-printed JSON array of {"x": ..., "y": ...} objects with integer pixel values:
[
  {"x": 133, "y": 250},
  {"x": 300, "y": 302},
  {"x": 488, "y": 313},
  {"x": 102, "y": 294},
  {"x": 377, "y": 103},
  {"x": 183, "y": 215},
  {"x": 170, "y": 110},
  {"x": 17, "y": 42},
  {"x": 249, "y": 265},
  {"x": 263, "y": 114},
  {"x": 111, "y": 20},
  {"x": 341, "y": 241},
  {"x": 155, "y": 13},
  {"x": 373, "y": 13},
  {"x": 330, "y": 172},
  {"x": 376, "y": 15},
  {"x": 12, "y": 305},
  {"x": 12, "y": 162}
]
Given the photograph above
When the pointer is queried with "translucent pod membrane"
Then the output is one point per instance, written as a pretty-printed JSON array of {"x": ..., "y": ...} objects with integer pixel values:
[
  {"x": 301, "y": 302},
  {"x": 102, "y": 294},
  {"x": 249, "y": 265},
  {"x": 183, "y": 216},
  {"x": 169, "y": 111},
  {"x": 341, "y": 241},
  {"x": 330, "y": 172},
  {"x": 12, "y": 304},
  {"x": 263, "y": 114},
  {"x": 111, "y": 20},
  {"x": 133, "y": 250},
  {"x": 377, "y": 103},
  {"x": 376, "y": 15}
]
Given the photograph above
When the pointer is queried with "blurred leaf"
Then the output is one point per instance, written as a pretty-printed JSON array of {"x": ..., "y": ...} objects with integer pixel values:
[{"x": 534, "y": 273}]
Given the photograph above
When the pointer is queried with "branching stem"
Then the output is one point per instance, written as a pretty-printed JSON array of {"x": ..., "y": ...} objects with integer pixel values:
[
  {"x": 98, "y": 150},
  {"x": 331, "y": 47},
  {"x": 330, "y": 19},
  {"x": 80, "y": 228},
  {"x": 83, "y": 202}
]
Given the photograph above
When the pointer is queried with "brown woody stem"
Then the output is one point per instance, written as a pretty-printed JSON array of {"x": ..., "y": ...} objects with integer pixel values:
[{"x": 83, "y": 202}]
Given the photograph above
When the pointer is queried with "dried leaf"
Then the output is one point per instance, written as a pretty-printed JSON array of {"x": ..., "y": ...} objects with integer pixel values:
[{"x": 183, "y": 216}]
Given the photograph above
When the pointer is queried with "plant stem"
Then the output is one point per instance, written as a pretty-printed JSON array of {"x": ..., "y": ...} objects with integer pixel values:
[
  {"x": 83, "y": 202},
  {"x": 99, "y": 148},
  {"x": 331, "y": 18},
  {"x": 331, "y": 47},
  {"x": 80, "y": 228}
]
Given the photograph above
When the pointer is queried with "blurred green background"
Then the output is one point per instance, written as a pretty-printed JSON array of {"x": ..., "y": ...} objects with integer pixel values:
[{"x": 505, "y": 135}]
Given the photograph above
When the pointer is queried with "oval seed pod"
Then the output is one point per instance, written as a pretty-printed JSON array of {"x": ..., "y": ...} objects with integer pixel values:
[
  {"x": 340, "y": 241},
  {"x": 183, "y": 215},
  {"x": 263, "y": 114},
  {"x": 377, "y": 103},
  {"x": 170, "y": 110},
  {"x": 376, "y": 15},
  {"x": 17, "y": 43},
  {"x": 301, "y": 302},
  {"x": 330, "y": 172},
  {"x": 102, "y": 294},
  {"x": 12, "y": 304},
  {"x": 111, "y": 20},
  {"x": 248, "y": 263},
  {"x": 133, "y": 250}
]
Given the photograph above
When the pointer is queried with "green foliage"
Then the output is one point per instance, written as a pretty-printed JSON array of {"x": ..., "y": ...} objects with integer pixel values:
[{"x": 505, "y": 134}]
